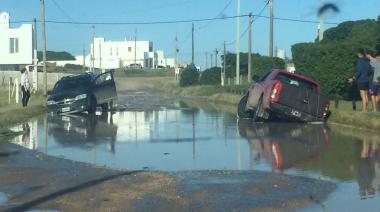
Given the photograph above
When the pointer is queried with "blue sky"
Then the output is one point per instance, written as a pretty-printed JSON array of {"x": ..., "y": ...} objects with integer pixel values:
[{"x": 208, "y": 35}]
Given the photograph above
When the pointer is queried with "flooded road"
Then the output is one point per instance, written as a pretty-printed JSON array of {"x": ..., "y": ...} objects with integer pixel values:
[{"x": 182, "y": 138}]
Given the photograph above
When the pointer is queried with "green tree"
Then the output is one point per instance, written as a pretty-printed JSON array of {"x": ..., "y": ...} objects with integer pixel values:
[
  {"x": 189, "y": 76},
  {"x": 332, "y": 61},
  {"x": 260, "y": 64},
  {"x": 55, "y": 56},
  {"x": 210, "y": 76}
]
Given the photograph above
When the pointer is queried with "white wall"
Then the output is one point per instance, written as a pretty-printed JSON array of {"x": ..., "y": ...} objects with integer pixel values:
[
  {"x": 113, "y": 54},
  {"x": 24, "y": 34}
]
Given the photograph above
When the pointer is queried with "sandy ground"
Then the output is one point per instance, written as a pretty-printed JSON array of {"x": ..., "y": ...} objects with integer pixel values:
[{"x": 33, "y": 181}]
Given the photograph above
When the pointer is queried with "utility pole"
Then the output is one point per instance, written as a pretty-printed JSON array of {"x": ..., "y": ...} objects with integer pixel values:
[
  {"x": 216, "y": 57},
  {"x": 84, "y": 59},
  {"x": 206, "y": 60},
  {"x": 44, "y": 45},
  {"x": 271, "y": 29},
  {"x": 224, "y": 64},
  {"x": 93, "y": 50},
  {"x": 249, "y": 48},
  {"x": 100, "y": 56},
  {"x": 192, "y": 44},
  {"x": 176, "y": 71},
  {"x": 135, "y": 46},
  {"x": 320, "y": 26},
  {"x": 211, "y": 59},
  {"x": 35, "y": 59},
  {"x": 237, "y": 78}
]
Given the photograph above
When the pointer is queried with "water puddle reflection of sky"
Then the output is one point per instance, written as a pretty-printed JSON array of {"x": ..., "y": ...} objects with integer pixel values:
[{"x": 183, "y": 138}]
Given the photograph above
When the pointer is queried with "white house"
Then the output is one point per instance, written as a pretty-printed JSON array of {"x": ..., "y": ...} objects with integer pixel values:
[
  {"x": 118, "y": 54},
  {"x": 16, "y": 43}
]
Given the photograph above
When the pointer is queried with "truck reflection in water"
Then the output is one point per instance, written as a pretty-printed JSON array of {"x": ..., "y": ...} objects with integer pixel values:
[
  {"x": 83, "y": 130},
  {"x": 284, "y": 145}
]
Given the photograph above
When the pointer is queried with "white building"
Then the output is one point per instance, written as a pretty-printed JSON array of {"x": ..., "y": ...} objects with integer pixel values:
[
  {"x": 16, "y": 43},
  {"x": 118, "y": 54},
  {"x": 280, "y": 53}
]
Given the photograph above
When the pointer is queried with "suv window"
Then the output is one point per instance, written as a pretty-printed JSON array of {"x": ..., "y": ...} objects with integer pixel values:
[
  {"x": 72, "y": 83},
  {"x": 295, "y": 81}
]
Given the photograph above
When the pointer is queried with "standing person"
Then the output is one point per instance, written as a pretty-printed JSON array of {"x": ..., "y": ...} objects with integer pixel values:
[
  {"x": 25, "y": 87},
  {"x": 374, "y": 88},
  {"x": 363, "y": 71}
]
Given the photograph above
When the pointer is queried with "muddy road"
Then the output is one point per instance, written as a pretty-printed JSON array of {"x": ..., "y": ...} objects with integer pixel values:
[{"x": 178, "y": 154}]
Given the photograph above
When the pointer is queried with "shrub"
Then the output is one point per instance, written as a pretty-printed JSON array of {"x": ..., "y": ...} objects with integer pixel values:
[
  {"x": 189, "y": 76},
  {"x": 210, "y": 76}
]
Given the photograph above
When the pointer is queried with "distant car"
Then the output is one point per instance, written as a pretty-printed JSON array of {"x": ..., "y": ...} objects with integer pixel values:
[
  {"x": 285, "y": 96},
  {"x": 135, "y": 65},
  {"x": 82, "y": 93}
]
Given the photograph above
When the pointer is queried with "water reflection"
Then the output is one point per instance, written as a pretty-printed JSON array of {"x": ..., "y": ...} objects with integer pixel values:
[
  {"x": 284, "y": 145},
  {"x": 368, "y": 172},
  {"x": 84, "y": 130}
]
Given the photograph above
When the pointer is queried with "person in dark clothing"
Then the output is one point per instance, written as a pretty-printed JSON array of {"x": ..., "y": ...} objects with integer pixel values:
[
  {"x": 363, "y": 71},
  {"x": 25, "y": 87}
]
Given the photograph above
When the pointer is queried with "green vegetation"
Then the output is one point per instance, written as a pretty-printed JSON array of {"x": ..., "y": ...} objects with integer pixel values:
[
  {"x": 189, "y": 76},
  {"x": 54, "y": 56},
  {"x": 11, "y": 114},
  {"x": 260, "y": 64},
  {"x": 332, "y": 61},
  {"x": 211, "y": 76}
]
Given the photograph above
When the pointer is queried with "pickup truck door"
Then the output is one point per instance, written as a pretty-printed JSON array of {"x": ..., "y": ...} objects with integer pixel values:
[{"x": 105, "y": 89}]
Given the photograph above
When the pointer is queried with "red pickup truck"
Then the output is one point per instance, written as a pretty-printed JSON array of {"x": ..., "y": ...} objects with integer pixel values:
[{"x": 281, "y": 95}]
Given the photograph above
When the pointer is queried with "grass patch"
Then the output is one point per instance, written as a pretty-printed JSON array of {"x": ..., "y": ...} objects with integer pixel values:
[{"x": 11, "y": 114}]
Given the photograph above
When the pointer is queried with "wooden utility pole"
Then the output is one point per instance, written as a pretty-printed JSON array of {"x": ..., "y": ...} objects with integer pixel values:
[
  {"x": 135, "y": 46},
  {"x": 100, "y": 56},
  {"x": 216, "y": 57},
  {"x": 271, "y": 28},
  {"x": 249, "y": 48},
  {"x": 237, "y": 78},
  {"x": 93, "y": 50},
  {"x": 35, "y": 59},
  {"x": 192, "y": 44},
  {"x": 206, "y": 67},
  {"x": 44, "y": 45},
  {"x": 224, "y": 64},
  {"x": 84, "y": 59},
  {"x": 176, "y": 50},
  {"x": 211, "y": 59}
]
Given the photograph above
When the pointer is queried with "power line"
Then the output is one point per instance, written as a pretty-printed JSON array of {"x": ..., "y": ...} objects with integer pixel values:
[
  {"x": 220, "y": 15},
  {"x": 170, "y": 21}
]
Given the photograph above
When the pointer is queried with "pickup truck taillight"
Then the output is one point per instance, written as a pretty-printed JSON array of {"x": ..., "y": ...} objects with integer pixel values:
[
  {"x": 326, "y": 111},
  {"x": 276, "y": 90}
]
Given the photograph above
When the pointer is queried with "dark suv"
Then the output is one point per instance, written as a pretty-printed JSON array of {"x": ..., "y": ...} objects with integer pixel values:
[{"x": 83, "y": 92}]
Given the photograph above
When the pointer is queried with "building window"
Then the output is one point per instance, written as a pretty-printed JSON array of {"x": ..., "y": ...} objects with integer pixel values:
[
  {"x": 111, "y": 51},
  {"x": 129, "y": 49},
  {"x": 13, "y": 45},
  {"x": 117, "y": 51},
  {"x": 150, "y": 49}
]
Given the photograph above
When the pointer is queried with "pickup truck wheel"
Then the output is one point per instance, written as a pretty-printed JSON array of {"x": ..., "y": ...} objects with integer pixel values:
[
  {"x": 241, "y": 111},
  {"x": 259, "y": 112},
  {"x": 91, "y": 106}
]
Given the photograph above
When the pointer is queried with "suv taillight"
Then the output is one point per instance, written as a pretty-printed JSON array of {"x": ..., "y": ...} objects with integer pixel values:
[{"x": 276, "y": 90}]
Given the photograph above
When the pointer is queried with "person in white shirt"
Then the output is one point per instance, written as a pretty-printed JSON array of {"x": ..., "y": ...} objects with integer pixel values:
[{"x": 25, "y": 87}]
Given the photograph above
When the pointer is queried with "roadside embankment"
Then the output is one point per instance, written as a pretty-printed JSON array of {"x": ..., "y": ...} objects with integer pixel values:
[
  {"x": 11, "y": 114},
  {"x": 343, "y": 115}
]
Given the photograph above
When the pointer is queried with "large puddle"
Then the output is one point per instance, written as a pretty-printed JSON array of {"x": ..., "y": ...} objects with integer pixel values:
[{"x": 183, "y": 138}]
